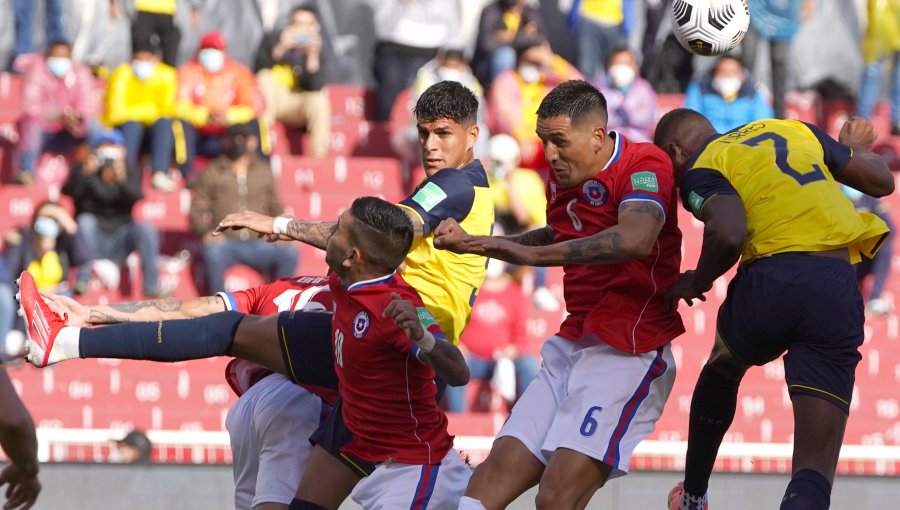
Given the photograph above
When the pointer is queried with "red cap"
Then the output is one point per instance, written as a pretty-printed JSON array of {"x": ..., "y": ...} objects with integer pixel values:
[{"x": 213, "y": 40}]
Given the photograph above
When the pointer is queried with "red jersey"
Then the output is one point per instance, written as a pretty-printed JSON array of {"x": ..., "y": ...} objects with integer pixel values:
[
  {"x": 388, "y": 394},
  {"x": 300, "y": 292},
  {"x": 620, "y": 303},
  {"x": 498, "y": 319}
]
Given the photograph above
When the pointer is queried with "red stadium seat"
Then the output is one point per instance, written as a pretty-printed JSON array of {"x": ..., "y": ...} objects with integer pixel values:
[
  {"x": 350, "y": 102},
  {"x": 10, "y": 98}
]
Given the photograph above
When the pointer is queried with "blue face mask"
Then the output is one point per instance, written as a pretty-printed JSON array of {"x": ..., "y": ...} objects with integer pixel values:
[
  {"x": 211, "y": 59},
  {"x": 143, "y": 69},
  {"x": 46, "y": 227},
  {"x": 59, "y": 66}
]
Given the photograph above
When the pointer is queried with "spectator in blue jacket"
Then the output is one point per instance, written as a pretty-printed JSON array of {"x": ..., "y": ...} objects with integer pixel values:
[{"x": 728, "y": 96}]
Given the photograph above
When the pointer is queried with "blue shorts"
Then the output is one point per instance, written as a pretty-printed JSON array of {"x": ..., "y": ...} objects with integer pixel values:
[
  {"x": 307, "y": 351},
  {"x": 807, "y": 305}
]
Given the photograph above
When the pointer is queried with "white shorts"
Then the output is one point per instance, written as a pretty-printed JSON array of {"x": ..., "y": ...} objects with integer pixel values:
[
  {"x": 415, "y": 486},
  {"x": 592, "y": 398},
  {"x": 269, "y": 428}
]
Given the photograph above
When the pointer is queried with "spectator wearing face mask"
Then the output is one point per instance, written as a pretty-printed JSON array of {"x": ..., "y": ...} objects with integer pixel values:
[
  {"x": 238, "y": 181},
  {"x": 214, "y": 93},
  {"x": 501, "y": 22},
  {"x": 47, "y": 247},
  {"x": 58, "y": 105},
  {"x": 515, "y": 95},
  {"x": 728, "y": 96},
  {"x": 140, "y": 103},
  {"x": 292, "y": 69},
  {"x": 104, "y": 189},
  {"x": 630, "y": 100}
]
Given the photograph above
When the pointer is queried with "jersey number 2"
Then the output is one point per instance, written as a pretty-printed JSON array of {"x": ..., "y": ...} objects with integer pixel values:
[{"x": 781, "y": 155}]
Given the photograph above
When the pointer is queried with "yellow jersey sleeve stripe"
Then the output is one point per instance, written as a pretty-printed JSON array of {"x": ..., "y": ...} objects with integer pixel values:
[{"x": 408, "y": 208}]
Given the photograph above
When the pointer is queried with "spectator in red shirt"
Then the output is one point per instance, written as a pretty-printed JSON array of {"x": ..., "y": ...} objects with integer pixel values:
[{"x": 495, "y": 331}]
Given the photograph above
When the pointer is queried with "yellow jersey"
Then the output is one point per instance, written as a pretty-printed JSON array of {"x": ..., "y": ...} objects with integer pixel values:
[
  {"x": 782, "y": 171},
  {"x": 448, "y": 282}
]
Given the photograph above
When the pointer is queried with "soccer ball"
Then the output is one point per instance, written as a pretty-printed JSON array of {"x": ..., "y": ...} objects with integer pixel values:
[{"x": 710, "y": 27}]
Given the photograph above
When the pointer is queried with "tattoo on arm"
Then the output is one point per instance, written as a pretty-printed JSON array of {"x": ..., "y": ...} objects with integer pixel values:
[
  {"x": 643, "y": 207},
  {"x": 153, "y": 309},
  {"x": 603, "y": 247},
  {"x": 538, "y": 237},
  {"x": 314, "y": 234}
]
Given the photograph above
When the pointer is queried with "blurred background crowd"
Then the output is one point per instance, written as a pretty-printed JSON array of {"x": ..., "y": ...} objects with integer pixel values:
[{"x": 159, "y": 96}]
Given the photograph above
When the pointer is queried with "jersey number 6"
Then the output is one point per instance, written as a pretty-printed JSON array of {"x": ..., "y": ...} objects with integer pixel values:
[{"x": 781, "y": 155}]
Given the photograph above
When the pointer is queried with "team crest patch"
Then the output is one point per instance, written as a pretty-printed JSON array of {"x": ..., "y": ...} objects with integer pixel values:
[
  {"x": 644, "y": 181},
  {"x": 594, "y": 192},
  {"x": 429, "y": 196},
  {"x": 360, "y": 324}
]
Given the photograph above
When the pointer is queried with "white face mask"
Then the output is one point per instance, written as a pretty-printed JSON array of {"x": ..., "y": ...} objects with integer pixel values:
[
  {"x": 447, "y": 74},
  {"x": 211, "y": 59},
  {"x": 530, "y": 73},
  {"x": 143, "y": 69},
  {"x": 728, "y": 87},
  {"x": 59, "y": 66},
  {"x": 621, "y": 75}
]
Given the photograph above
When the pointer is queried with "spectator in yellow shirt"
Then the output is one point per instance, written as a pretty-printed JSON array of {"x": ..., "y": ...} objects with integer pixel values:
[
  {"x": 214, "y": 93},
  {"x": 140, "y": 102}
]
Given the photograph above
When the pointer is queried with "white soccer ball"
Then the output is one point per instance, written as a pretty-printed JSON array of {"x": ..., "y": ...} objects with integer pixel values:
[{"x": 710, "y": 27}]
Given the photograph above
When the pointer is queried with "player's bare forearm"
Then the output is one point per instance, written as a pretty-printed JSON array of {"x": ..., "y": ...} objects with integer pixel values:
[
  {"x": 448, "y": 363},
  {"x": 312, "y": 233},
  {"x": 724, "y": 233},
  {"x": 17, "y": 434},
  {"x": 155, "y": 310},
  {"x": 538, "y": 237},
  {"x": 632, "y": 238}
]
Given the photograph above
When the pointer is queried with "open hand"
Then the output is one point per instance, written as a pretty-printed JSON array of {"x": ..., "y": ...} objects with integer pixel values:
[
  {"x": 78, "y": 314},
  {"x": 685, "y": 287},
  {"x": 404, "y": 314},
  {"x": 259, "y": 223},
  {"x": 23, "y": 489}
]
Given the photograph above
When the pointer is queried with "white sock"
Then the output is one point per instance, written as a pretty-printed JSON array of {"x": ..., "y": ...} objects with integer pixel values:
[
  {"x": 691, "y": 502},
  {"x": 467, "y": 503},
  {"x": 67, "y": 341}
]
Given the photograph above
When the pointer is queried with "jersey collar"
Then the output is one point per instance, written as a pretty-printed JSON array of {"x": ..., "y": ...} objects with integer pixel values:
[
  {"x": 617, "y": 151},
  {"x": 369, "y": 283}
]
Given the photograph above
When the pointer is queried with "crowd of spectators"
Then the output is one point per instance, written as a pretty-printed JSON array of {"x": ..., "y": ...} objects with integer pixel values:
[{"x": 206, "y": 122}]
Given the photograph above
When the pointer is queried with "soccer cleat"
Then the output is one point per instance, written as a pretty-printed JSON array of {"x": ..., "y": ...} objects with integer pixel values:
[
  {"x": 675, "y": 498},
  {"x": 43, "y": 324}
]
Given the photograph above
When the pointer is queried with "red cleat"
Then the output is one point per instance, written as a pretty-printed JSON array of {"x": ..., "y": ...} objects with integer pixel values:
[{"x": 43, "y": 324}]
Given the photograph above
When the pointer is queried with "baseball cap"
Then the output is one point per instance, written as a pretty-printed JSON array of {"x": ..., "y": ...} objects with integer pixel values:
[
  {"x": 213, "y": 39},
  {"x": 108, "y": 136},
  {"x": 139, "y": 441}
]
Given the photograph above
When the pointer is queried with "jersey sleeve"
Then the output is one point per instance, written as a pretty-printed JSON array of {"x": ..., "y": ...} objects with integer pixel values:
[
  {"x": 240, "y": 301},
  {"x": 701, "y": 184},
  {"x": 650, "y": 180},
  {"x": 837, "y": 155},
  {"x": 446, "y": 194}
]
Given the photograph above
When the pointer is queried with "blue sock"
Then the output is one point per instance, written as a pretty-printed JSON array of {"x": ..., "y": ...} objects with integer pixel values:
[
  {"x": 175, "y": 340},
  {"x": 808, "y": 490},
  {"x": 299, "y": 504}
]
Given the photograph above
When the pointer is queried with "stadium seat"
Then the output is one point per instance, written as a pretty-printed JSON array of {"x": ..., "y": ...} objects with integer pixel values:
[
  {"x": 350, "y": 102},
  {"x": 10, "y": 98}
]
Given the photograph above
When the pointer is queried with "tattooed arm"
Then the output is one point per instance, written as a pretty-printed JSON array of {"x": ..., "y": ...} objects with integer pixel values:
[
  {"x": 134, "y": 311},
  {"x": 537, "y": 237},
  {"x": 632, "y": 238}
]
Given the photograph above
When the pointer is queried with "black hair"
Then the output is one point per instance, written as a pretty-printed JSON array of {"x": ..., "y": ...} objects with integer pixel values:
[
  {"x": 447, "y": 100},
  {"x": 304, "y": 8},
  {"x": 58, "y": 42},
  {"x": 668, "y": 124},
  {"x": 383, "y": 232},
  {"x": 576, "y": 99},
  {"x": 144, "y": 46},
  {"x": 622, "y": 49}
]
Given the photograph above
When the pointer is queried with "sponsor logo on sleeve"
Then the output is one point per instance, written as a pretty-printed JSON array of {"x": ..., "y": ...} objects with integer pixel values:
[
  {"x": 429, "y": 196},
  {"x": 594, "y": 192},
  {"x": 360, "y": 324},
  {"x": 425, "y": 317},
  {"x": 695, "y": 202},
  {"x": 645, "y": 181}
]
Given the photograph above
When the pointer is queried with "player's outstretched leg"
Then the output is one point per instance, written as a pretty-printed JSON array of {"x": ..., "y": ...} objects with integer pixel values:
[
  {"x": 818, "y": 433},
  {"x": 42, "y": 325},
  {"x": 712, "y": 411}
]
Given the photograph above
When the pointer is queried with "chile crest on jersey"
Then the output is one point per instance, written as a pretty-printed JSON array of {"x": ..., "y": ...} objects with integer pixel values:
[
  {"x": 360, "y": 324},
  {"x": 594, "y": 192}
]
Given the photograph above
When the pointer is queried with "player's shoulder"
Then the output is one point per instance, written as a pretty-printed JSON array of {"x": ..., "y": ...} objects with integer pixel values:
[{"x": 468, "y": 176}]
